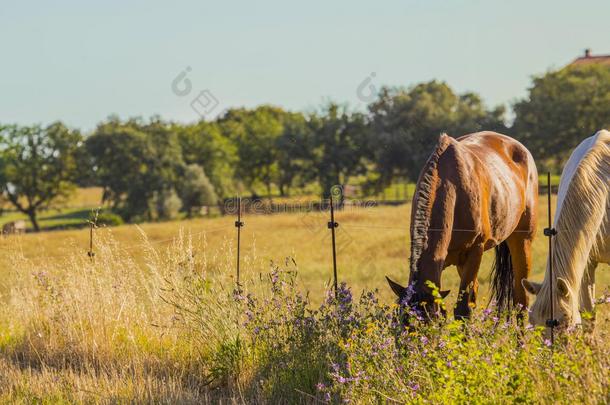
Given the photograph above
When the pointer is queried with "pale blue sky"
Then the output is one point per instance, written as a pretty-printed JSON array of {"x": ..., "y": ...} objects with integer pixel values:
[{"x": 80, "y": 61}]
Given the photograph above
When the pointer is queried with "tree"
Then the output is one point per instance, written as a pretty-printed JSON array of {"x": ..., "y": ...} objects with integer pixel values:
[
  {"x": 562, "y": 108},
  {"x": 406, "y": 123},
  {"x": 135, "y": 162},
  {"x": 119, "y": 154},
  {"x": 205, "y": 145},
  {"x": 38, "y": 166},
  {"x": 255, "y": 133},
  {"x": 196, "y": 190},
  {"x": 339, "y": 146},
  {"x": 295, "y": 153}
]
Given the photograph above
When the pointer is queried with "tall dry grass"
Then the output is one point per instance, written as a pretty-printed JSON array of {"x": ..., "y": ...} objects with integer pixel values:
[
  {"x": 148, "y": 322},
  {"x": 77, "y": 330}
]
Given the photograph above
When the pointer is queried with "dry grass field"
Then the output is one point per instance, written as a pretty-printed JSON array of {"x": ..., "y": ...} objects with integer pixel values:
[
  {"x": 153, "y": 319},
  {"x": 371, "y": 243}
]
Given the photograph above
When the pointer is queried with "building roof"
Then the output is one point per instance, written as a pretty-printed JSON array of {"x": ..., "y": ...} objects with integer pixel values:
[{"x": 589, "y": 59}]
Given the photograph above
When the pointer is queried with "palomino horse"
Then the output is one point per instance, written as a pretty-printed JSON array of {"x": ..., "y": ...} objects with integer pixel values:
[
  {"x": 582, "y": 222},
  {"x": 476, "y": 192}
]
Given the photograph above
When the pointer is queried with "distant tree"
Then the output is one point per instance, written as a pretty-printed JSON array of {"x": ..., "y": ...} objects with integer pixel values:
[
  {"x": 38, "y": 166},
  {"x": 340, "y": 146},
  {"x": 295, "y": 153},
  {"x": 205, "y": 145},
  {"x": 135, "y": 161},
  {"x": 255, "y": 133},
  {"x": 120, "y": 158},
  {"x": 471, "y": 115},
  {"x": 406, "y": 123},
  {"x": 562, "y": 108},
  {"x": 196, "y": 190}
]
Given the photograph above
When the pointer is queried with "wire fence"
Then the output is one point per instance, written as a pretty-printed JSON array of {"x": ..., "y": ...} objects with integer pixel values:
[{"x": 316, "y": 216}]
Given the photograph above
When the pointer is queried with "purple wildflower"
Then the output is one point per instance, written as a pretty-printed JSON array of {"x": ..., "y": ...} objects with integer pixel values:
[
  {"x": 344, "y": 294},
  {"x": 385, "y": 344}
]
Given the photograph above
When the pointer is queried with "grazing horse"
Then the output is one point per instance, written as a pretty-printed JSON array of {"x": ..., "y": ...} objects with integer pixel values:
[
  {"x": 475, "y": 193},
  {"x": 582, "y": 222}
]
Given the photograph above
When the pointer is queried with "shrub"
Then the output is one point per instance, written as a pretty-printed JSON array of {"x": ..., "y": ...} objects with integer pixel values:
[
  {"x": 166, "y": 204},
  {"x": 196, "y": 190},
  {"x": 106, "y": 218}
]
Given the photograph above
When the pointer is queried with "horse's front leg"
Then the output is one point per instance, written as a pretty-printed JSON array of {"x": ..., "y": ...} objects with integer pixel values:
[
  {"x": 469, "y": 284},
  {"x": 587, "y": 297}
]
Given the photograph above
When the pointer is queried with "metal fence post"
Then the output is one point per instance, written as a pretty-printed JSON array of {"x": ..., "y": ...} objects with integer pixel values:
[
  {"x": 91, "y": 253},
  {"x": 550, "y": 232},
  {"x": 332, "y": 225},
  {"x": 238, "y": 225}
]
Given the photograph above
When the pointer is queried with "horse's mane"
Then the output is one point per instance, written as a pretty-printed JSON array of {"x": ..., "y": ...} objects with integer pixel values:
[
  {"x": 422, "y": 201},
  {"x": 579, "y": 220}
]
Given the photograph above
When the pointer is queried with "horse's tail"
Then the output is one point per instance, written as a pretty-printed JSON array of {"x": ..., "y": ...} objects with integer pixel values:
[{"x": 502, "y": 278}]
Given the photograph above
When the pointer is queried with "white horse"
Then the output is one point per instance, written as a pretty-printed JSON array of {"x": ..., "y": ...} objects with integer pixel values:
[{"x": 582, "y": 221}]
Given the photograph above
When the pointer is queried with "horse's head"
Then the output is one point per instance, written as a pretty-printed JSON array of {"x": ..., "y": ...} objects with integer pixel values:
[
  {"x": 419, "y": 302},
  {"x": 565, "y": 304}
]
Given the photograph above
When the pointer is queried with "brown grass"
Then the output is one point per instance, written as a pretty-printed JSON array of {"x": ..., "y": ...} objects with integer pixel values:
[{"x": 72, "y": 330}]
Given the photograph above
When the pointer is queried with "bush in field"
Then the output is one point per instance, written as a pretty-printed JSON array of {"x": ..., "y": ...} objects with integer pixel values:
[
  {"x": 196, "y": 190},
  {"x": 165, "y": 204},
  {"x": 106, "y": 218}
]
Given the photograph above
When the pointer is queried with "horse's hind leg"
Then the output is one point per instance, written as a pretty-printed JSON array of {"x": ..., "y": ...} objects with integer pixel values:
[
  {"x": 468, "y": 271},
  {"x": 520, "y": 246}
]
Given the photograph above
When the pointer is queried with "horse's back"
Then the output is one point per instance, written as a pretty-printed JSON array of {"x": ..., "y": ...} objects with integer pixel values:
[
  {"x": 502, "y": 180},
  {"x": 488, "y": 145},
  {"x": 506, "y": 163}
]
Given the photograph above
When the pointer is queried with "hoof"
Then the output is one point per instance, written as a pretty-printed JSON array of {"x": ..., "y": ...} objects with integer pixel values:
[{"x": 462, "y": 312}]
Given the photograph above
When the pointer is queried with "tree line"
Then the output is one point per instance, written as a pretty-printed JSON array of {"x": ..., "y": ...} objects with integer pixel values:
[{"x": 152, "y": 169}]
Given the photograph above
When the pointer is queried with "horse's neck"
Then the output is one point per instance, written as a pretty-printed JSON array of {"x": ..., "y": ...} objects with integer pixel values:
[
  {"x": 576, "y": 245},
  {"x": 582, "y": 210},
  {"x": 439, "y": 231},
  {"x": 602, "y": 253}
]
